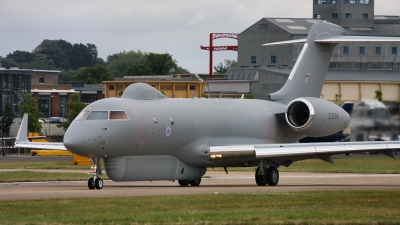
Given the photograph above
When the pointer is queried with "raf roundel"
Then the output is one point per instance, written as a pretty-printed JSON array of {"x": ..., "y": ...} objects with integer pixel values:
[{"x": 168, "y": 131}]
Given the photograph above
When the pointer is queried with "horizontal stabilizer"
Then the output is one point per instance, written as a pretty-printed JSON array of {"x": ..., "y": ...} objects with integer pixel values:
[
  {"x": 289, "y": 42},
  {"x": 351, "y": 39}
]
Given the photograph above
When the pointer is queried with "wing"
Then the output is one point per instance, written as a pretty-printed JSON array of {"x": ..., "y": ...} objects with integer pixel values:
[
  {"x": 23, "y": 142},
  {"x": 306, "y": 150}
]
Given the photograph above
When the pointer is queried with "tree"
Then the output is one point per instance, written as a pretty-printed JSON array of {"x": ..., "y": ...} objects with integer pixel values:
[
  {"x": 74, "y": 108},
  {"x": 378, "y": 95},
  {"x": 92, "y": 75},
  {"x": 160, "y": 64},
  {"x": 79, "y": 56},
  {"x": 54, "y": 50},
  {"x": 40, "y": 61},
  {"x": 29, "y": 107},
  {"x": 118, "y": 63},
  {"x": 155, "y": 64},
  {"x": 7, "y": 119},
  {"x": 21, "y": 56},
  {"x": 223, "y": 68},
  {"x": 7, "y": 63}
]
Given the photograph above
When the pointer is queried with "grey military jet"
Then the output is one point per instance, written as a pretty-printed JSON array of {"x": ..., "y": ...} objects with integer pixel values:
[{"x": 143, "y": 136}]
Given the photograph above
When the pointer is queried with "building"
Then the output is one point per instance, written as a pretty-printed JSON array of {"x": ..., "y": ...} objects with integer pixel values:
[
  {"x": 356, "y": 16},
  {"x": 15, "y": 82},
  {"x": 173, "y": 86},
  {"x": 360, "y": 68}
]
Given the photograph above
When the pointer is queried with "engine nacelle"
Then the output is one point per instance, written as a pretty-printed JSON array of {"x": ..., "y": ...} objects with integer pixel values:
[{"x": 316, "y": 117}]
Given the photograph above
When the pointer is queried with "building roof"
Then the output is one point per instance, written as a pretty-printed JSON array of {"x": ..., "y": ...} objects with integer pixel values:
[
  {"x": 384, "y": 26},
  {"x": 354, "y": 75},
  {"x": 16, "y": 69}
]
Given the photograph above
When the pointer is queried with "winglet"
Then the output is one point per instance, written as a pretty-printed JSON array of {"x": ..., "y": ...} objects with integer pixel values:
[{"x": 22, "y": 135}]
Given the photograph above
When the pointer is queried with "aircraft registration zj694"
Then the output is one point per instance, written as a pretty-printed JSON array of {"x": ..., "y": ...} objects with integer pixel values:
[{"x": 143, "y": 136}]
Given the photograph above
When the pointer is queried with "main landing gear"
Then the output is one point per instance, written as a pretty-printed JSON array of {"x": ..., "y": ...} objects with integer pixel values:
[
  {"x": 266, "y": 176},
  {"x": 193, "y": 182},
  {"x": 95, "y": 182}
]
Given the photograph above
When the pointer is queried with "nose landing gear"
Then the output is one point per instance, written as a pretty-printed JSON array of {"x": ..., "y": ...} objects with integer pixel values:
[{"x": 95, "y": 182}]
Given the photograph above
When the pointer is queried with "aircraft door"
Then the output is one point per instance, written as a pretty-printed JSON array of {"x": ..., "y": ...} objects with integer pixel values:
[{"x": 141, "y": 121}]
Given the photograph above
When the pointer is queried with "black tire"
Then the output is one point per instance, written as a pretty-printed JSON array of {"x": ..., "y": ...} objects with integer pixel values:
[
  {"x": 195, "y": 182},
  {"x": 261, "y": 180},
  {"x": 91, "y": 184},
  {"x": 183, "y": 183},
  {"x": 272, "y": 175},
  {"x": 98, "y": 183}
]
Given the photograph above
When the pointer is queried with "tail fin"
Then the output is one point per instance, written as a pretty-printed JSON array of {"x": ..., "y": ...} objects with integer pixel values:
[
  {"x": 22, "y": 136},
  {"x": 348, "y": 107},
  {"x": 308, "y": 74}
]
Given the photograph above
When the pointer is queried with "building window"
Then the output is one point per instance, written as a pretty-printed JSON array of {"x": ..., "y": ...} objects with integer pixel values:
[
  {"x": 111, "y": 87},
  {"x": 41, "y": 79},
  {"x": 346, "y": 50},
  {"x": 192, "y": 87},
  {"x": 365, "y": 15},
  {"x": 394, "y": 50},
  {"x": 334, "y": 15},
  {"x": 317, "y": 16},
  {"x": 263, "y": 26},
  {"x": 273, "y": 58},
  {"x": 253, "y": 59},
  {"x": 378, "y": 51},
  {"x": 348, "y": 15},
  {"x": 362, "y": 51}
]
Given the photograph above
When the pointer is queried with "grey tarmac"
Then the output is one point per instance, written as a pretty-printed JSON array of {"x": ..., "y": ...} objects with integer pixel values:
[{"x": 216, "y": 182}]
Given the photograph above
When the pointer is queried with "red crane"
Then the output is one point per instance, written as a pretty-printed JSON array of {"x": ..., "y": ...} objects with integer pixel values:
[{"x": 212, "y": 48}]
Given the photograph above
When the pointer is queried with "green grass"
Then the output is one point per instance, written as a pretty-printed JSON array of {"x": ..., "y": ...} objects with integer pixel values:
[
  {"x": 322, "y": 207},
  {"x": 42, "y": 165}
]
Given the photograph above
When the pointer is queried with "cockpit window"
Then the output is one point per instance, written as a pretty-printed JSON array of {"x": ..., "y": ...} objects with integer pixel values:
[
  {"x": 82, "y": 115},
  {"x": 98, "y": 115},
  {"x": 118, "y": 115}
]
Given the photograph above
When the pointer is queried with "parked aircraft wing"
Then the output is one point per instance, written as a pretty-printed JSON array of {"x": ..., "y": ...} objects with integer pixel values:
[
  {"x": 352, "y": 39},
  {"x": 23, "y": 142},
  {"x": 298, "y": 149}
]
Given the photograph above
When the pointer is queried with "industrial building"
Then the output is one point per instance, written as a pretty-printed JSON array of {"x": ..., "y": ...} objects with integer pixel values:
[{"x": 271, "y": 65}]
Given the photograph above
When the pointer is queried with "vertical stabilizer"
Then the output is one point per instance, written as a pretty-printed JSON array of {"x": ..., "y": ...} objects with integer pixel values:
[
  {"x": 308, "y": 74},
  {"x": 22, "y": 135}
]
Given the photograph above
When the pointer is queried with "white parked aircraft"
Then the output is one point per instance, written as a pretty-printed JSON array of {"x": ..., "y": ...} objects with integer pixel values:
[{"x": 145, "y": 136}]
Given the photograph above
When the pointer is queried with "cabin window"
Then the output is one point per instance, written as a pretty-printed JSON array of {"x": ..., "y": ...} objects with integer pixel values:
[
  {"x": 118, "y": 115},
  {"x": 82, "y": 115},
  {"x": 111, "y": 87},
  {"x": 98, "y": 115},
  {"x": 172, "y": 120}
]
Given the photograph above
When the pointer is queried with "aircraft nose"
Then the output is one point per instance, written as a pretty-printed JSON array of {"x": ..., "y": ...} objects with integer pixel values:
[{"x": 73, "y": 138}]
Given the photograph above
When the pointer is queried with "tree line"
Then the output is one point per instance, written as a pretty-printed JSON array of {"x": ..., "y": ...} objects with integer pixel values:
[{"x": 79, "y": 62}]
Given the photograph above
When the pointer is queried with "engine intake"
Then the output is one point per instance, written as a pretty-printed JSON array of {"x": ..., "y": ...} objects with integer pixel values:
[{"x": 316, "y": 117}]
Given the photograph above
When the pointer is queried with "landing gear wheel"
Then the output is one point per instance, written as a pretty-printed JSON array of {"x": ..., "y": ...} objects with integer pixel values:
[
  {"x": 195, "y": 182},
  {"x": 183, "y": 183},
  {"x": 98, "y": 183},
  {"x": 272, "y": 175},
  {"x": 261, "y": 179},
  {"x": 91, "y": 184}
]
